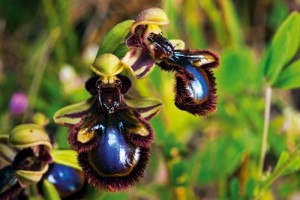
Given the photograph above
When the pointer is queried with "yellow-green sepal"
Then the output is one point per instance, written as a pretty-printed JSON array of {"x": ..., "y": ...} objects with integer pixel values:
[
  {"x": 147, "y": 107},
  {"x": 72, "y": 114}
]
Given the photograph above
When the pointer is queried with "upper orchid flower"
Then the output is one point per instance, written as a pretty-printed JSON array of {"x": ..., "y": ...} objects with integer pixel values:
[
  {"x": 110, "y": 131},
  {"x": 195, "y": 83}
]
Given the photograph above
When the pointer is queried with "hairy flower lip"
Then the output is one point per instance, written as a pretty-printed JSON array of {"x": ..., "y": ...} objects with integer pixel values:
[
  {"x": 114, "y": 183},
  {"x": 184, "y": 101}
]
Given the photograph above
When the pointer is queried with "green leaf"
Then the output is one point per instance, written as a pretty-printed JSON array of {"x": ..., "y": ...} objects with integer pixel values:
[
  {"x": 284, "y": 46},
  {"x": 114, "y": 37},
  {"x": 238, "y": 71},
  {"x": 291, "y": 27},
  {"x": 220, "y": 158},
  {"x": 289, "y": 165},
  {"x": 214, "y": 16},
  {"x": 50, "y": 191},
  {"x": 232, "y": 21},
  {"x": 289, "y": 78},
  {"x": 66, "y": 157}
]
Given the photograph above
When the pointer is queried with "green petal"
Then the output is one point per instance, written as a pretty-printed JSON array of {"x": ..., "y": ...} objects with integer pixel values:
[
  {"x": 147, "y": 107},
  {"x": 29, "y": 135},
  {"x": 65, "y": 157},
  {"x": 72, "y": 114}
]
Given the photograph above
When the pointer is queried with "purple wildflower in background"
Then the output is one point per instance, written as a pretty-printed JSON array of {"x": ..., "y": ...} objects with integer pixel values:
[{"x": 18, "y": 103}]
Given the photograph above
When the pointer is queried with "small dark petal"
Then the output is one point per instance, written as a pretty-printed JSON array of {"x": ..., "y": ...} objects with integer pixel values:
[
  {"x": 27, "y": 159},
  {"x": 11, "y": 192},
  {"x": 90, "y": 85},
  {"x": 125, "y": 83},
  {"x": 67, "y": 180},
  {"x": 24, "y": 160},
  {"x": 197, "y": 97},
  {"x": 144, "y": 62},
  {"x": 114, "y": 183},
  {"x": 134, "y": 41}
]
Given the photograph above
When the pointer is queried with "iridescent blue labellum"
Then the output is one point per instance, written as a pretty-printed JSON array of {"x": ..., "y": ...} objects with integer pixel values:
[
  {"x": 195, "y": 83},
  {"x": 114, "y": 155},
  {"x": 195, "y": 90},
  {"x": 118, "y": 160},
  {"x": 66, "y": 180}
]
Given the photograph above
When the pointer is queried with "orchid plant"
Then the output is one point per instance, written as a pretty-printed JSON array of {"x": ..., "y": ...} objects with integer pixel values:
[{"x": 110, "y": 131}]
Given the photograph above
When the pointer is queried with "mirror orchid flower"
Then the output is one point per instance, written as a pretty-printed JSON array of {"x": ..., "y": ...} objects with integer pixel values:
[
  {"x": 110, "y": 131},
  {"x": 195, "y": 85},
  {"x": 25, "y": 157}
]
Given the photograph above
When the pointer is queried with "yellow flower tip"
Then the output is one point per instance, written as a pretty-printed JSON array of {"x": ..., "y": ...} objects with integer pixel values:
[
  {"x": 107, "y": 64},
  {"x": 150, "y": 16}
]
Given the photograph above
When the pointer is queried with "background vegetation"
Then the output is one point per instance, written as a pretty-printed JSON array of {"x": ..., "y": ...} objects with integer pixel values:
[{"x": 248, "y": 149}]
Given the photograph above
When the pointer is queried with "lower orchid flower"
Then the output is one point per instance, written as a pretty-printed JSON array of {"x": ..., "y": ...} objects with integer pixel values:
[
  {"x": 109, "y": 131},
  {"x": 25, "y": 157}
]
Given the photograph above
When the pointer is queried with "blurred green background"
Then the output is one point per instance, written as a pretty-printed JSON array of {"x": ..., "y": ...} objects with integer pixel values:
[{"x": 46, "y": 47}]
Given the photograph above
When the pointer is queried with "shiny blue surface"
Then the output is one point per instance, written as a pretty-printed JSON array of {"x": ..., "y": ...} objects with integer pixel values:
[
  {"x": 67, "y": 180},
  {"x": 198, "y": 88},
  {"x": 115, "y": 155}
]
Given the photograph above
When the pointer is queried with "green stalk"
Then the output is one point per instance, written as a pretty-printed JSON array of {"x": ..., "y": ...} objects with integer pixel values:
[{"x": 265, "y": 131}]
